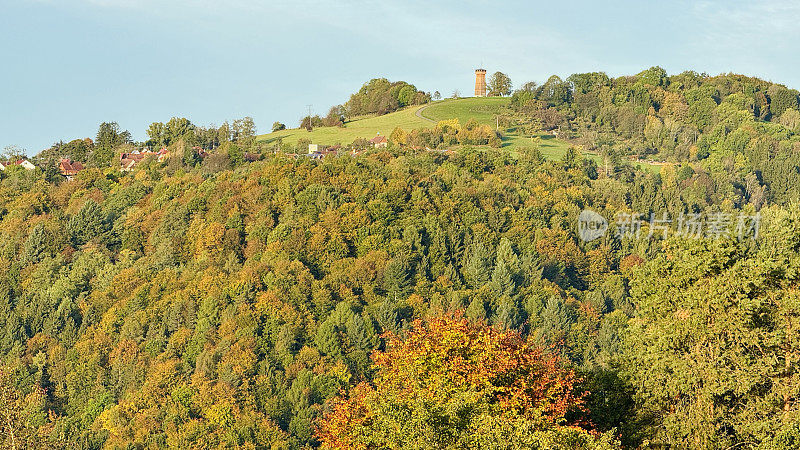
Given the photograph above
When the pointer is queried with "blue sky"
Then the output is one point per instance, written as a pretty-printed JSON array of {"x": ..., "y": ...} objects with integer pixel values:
[{"x": 67, "y": 65}]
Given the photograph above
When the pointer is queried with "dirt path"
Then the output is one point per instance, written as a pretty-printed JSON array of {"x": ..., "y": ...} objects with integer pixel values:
[{"x": 419, "y": 114}]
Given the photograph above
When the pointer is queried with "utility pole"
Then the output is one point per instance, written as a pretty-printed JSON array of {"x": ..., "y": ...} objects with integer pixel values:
[{"x": 310, "y": 127}]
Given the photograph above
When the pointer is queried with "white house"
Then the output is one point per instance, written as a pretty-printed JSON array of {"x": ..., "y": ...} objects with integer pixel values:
[{"x": 20, "y": 162}]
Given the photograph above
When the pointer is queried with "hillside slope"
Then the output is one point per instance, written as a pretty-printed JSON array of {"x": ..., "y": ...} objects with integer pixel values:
[
  {"x": 482, "y": 110},
  {"x": 208, "y": 307},
  {"x": 366, "y": 128}
]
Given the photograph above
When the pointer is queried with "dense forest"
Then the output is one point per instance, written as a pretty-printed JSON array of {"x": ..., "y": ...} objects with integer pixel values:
[
  {"x": 740, "y": 133},
  {"x": 415, "y": 299}
]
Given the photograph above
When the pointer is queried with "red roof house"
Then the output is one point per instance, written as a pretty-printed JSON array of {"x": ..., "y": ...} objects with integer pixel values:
[
  {"x": 69, "y": 168},
  {"x": 379, "y": 141},
  {"x": 127, "y": 161}
]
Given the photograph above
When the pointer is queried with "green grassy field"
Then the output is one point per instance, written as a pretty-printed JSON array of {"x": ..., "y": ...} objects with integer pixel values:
[
  {"x": 549, "y": 146},
  {"x": 364, "y": 128},
  {"x": 481, "y": 109}
]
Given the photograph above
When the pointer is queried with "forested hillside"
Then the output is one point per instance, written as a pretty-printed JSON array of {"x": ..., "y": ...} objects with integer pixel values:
[
  {"x": 741, "y": 132},
  {"x": 404, "y": 297},
  {"x": 167, "y": 308}
]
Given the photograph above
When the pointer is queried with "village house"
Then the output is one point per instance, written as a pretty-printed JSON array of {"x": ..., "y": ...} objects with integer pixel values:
[
  {"x": 69, "y": 168},
  {"x": 127, "y": 161},
  {"x": 314, "y": 151},
  {"x": 19, "y": 162},
  {"x": 379, "y": 141}
]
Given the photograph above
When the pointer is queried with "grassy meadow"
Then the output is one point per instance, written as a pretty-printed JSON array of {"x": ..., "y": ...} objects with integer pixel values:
[
  {"x": 482, "y": 109},
  {"x": 362, "y": 128}
]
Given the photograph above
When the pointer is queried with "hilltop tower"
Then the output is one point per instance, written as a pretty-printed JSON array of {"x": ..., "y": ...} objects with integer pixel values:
[{"x": 480, "y": 82}]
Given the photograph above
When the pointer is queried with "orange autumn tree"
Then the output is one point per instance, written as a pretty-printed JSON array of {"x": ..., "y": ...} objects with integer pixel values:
[{"x": 455, "y": 383}]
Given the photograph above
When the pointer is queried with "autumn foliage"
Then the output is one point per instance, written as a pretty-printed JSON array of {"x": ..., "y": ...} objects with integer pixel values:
[
  {"x": 24, "y": 421},
  {"x": 454, "y": 383}
]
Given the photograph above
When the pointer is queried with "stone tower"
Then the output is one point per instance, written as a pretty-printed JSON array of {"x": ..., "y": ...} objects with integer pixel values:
[{"x": 480, "y": 82}]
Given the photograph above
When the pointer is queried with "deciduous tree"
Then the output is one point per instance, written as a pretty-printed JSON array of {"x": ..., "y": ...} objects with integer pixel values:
[
  {"x": 499, "y": 84},
  {"x": 453, "y": 383}
]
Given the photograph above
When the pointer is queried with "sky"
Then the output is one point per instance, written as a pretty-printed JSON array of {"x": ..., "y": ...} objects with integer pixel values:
[{"x": 68, "y": 65}]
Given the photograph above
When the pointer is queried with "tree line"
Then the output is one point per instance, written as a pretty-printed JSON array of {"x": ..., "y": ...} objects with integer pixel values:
[{"x": 739, "y": 134}]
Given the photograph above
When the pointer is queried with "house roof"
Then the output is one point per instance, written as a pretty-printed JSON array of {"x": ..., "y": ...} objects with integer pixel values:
[
  {"x": 378, "y": 139},
  {"x": 70, "y": 167},
  {"x": 126, "y": 163},
  {"x": 135, "y": 155},
  {"x": 19, "y": 162}
]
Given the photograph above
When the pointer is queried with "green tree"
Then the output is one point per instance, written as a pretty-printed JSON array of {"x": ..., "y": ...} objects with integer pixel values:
[
  {"x": 555, "y": 91},
  {"x": 243, "y": 130},
  {"x": 655, "y": 76},
  {"x": 505, "y": 275},
  {"x": 381, "y": 96},
  {"x": 406, "y": 95},
  {"x": 790, "y": 119},
  {"x": 713, "y": 348},
  {"x": 396, "y": 277},
  {"x": 178, "y": 128},
  {"x": 109, "y": 135},
  {"x": 310, "y": 122},
  {"x": 477, "y": 266},
  {"x": 335, "y": 117},
  {"x": 781, "y": 99},
  {"x": 499, "y": 84},
  {"x": 157, "y": 134},
  {"x": 89, "y": 223},
  {"x": 40, "y": 244}
]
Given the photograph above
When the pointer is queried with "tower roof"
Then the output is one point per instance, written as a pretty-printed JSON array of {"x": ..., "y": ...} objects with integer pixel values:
[{"x": 480, "y": 70}]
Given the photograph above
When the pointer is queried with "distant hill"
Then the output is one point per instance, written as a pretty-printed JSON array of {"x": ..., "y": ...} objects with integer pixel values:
[{"x": 483, "y": 110}]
